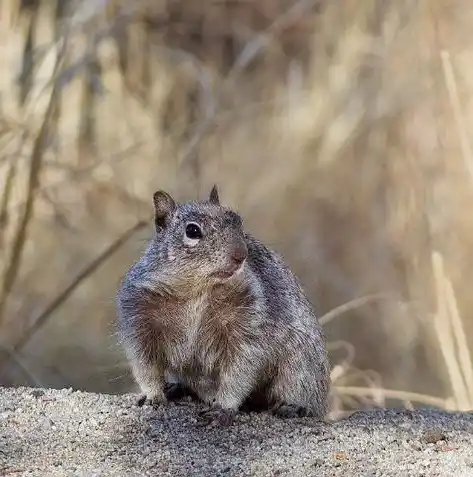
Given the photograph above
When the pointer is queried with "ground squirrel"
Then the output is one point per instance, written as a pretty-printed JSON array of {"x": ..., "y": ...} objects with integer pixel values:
[{"x": 211, "y": 309}]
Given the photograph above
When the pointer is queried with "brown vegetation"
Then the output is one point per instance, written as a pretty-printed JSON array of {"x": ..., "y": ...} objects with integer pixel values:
[{"x": 340, "y": 130}]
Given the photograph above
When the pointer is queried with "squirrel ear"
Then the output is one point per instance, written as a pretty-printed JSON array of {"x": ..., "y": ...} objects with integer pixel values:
[
  {"x": 163, "y": 206},
  {"x": 213, "y": 198}
]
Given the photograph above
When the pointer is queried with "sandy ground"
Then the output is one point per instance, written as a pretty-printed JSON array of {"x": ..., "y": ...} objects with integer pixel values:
[{"x": 65, "y": 433}]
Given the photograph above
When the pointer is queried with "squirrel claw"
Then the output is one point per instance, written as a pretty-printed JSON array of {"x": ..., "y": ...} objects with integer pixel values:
[{"x": 219, "y": 415}]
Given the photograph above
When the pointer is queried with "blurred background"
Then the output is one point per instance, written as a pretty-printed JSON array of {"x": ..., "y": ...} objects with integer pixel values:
[{"x": 341, "y": 131}]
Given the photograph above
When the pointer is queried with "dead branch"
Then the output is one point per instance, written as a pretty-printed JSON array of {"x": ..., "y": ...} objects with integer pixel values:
[
  {"x": 4, "y": 217},
  {"x": 39, "y": 147},
  {"x": 67, "y": 292}
]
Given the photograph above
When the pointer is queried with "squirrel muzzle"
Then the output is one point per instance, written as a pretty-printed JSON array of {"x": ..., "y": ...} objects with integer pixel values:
[{"x": 238, "y": 253}]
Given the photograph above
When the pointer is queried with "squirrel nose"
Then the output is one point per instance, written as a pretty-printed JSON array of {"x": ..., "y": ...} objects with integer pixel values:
[{"x": 239, "y": 253}]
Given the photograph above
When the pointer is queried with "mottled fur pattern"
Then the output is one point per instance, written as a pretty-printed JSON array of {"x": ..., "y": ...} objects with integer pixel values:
[{"x": 187, "y": 314}]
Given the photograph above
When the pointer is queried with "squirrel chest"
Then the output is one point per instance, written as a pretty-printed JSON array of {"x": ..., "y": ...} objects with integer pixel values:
[{"x": 198, "y": 335}]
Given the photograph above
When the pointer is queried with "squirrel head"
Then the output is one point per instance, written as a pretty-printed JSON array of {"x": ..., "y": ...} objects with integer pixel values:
[{"x": 198, "y": 241}]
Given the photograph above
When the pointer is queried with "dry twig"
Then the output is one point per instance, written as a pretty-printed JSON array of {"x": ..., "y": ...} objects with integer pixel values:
[{"x": 67, "y": 292}]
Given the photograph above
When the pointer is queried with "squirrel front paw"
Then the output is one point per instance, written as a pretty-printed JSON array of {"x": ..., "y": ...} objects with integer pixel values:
[
  {"x": 151, "y": 399},
  {"x": 178, "y": 393},
  {"x": 289, "y": 411},
  {"x": 216, "y": 414}
]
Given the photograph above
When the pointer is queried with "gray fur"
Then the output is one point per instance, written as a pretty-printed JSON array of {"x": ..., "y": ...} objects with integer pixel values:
[{"x": 180, "y": 320}]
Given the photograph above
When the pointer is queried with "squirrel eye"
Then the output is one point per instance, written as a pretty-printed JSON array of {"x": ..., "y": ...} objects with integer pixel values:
[{"x": 193, "y": 231}]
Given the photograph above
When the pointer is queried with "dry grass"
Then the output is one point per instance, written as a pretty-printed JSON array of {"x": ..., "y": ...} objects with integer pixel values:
[{"x": 340, "y": 131}]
